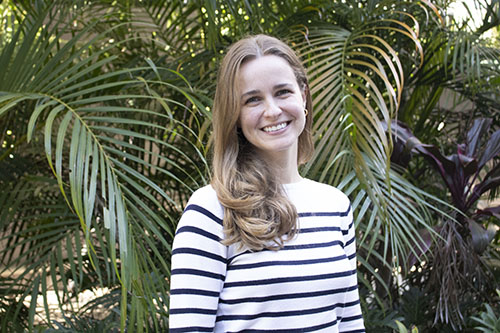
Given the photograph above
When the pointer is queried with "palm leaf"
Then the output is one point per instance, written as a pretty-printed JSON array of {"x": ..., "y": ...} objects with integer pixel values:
[
  {"x": 101, "y": 153},
  {"x": 356, "y": 82},
  {"x": 345, "y": 68}
]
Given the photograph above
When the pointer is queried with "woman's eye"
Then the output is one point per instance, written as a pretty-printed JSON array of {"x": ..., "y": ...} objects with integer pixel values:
[
  {"x": 283, "y": 92},
  {"x": 252, "y": 100}
]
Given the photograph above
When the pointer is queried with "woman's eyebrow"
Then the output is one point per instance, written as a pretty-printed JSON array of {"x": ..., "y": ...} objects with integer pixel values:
[
  {"x": 256, "y": 91},
  {"x": 282, "y": 85},
  {"x": 249, "y": 93}
]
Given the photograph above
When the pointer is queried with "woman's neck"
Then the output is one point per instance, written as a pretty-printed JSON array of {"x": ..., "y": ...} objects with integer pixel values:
[
  {"x": 284, "y": 166},
  {"x": 289, "y": 177}
]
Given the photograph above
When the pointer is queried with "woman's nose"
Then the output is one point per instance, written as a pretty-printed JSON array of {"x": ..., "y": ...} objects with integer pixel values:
[{"x": 272, "y": 110}]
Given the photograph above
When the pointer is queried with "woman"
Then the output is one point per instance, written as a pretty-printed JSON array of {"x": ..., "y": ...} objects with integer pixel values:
[{"x": 261, "y": 248}]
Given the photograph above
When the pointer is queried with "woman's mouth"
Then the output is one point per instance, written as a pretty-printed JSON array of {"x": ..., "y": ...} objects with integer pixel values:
[{"x": 274, "y": 128}]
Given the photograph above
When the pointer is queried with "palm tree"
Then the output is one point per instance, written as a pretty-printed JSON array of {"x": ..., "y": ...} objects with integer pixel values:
[
  {"x": 93, "y": 213},
  {"x": 452, "y": 93},
  {"x": 105, "y": 116}
]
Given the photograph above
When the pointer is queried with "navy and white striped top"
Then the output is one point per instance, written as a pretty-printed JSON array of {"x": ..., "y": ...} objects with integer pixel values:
[{"x": 308, "y": 286}]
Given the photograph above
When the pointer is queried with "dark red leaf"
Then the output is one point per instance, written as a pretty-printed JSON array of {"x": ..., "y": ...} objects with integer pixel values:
[
  {"x": 481, "y": 237},
  {"x": 490, "y": 211},
  {"x": 479, "y": 127},
  {"x": 492, "y": 149}
]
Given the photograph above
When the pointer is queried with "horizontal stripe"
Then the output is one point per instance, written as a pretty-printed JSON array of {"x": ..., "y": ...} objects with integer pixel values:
[
  {"x": 311, "y": 246},
  {"x": 311, "y": 214},
  {"x": 193, "y": 310},
  {"x": 300, "y": 312},
  {"x": 318, "y": 229},
  {"x": 285, "y": 263},
  {"x": 198, "y": 231},
  {"x": 350, "y": 241},
  {"x": 203, "y": 211},
  {"x": 288, "y": 296},
  {"x": 197, "y": 272},
  {"x": 292, "y": 330},
  {"x": 288, "y": 279},
  {"x": 292, "y": 247},
  {"x": 346, "y": 319},
  {"x": 199, "y": 292},
  {"x": 348, "y": 304},
  {"x": 188, "y": 250},
  {"x": 191, "y": 329}
]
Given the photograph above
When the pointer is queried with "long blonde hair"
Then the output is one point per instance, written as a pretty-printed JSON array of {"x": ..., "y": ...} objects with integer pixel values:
[{"x": 257, "y": 214}]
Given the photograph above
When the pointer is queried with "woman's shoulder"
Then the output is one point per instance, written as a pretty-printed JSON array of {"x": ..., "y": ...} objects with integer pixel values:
[
  {"x": 206, "y": 192},
  {"x": 206, "y": 197},
  {"x": 202, "y": 211}
]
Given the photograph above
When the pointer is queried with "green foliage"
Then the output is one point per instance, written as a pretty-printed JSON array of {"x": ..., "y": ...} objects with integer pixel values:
[
  {"x": 403, "y": 329},
  {"x": 105, "y": 132},
  {"x": 488, "y": 320}
]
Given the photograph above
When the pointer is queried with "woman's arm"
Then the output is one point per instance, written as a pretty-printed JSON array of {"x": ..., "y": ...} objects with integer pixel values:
[
  {"x": 198, "y": 268},
  {"x": 352, "y": 320}
]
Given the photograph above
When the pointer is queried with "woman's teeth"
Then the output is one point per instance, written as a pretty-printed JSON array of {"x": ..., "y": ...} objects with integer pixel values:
[{"x": 274, "y": 128}]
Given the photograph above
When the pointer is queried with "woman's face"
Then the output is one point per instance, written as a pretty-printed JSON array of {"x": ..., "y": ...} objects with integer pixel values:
[{"x": 272, "y": 106}]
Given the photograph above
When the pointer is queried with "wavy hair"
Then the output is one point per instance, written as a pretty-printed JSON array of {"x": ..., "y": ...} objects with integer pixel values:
[{"x": 257, "y": 214}]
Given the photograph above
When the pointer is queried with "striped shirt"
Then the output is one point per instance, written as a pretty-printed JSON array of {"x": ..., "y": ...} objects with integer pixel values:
[{"x": 310, "y": 285}]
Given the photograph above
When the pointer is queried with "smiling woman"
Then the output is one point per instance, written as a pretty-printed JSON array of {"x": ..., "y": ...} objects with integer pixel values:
[
  {"x": 261, "y": 248},
  {"x": 272, "y": 115}
]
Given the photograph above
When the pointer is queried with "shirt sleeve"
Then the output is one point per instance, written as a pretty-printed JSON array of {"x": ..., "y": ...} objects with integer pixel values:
[
  {"x": 352, "y": 319},
  {"x": 198, "y": 269}
]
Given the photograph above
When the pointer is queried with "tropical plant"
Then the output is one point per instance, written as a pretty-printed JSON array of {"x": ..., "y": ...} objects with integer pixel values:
[
  {"x": 104, "y": 120},
  {"x": 109, "y": 139},
  {"x": 456, "y": 261},
  {"x": 447, "y": 96},
  {"x": 402, "y": 328},
  {"x": 487, "y": 320}
]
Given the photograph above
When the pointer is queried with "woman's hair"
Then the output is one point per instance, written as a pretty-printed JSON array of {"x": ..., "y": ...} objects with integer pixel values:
[{"x": 257, "y": 214}]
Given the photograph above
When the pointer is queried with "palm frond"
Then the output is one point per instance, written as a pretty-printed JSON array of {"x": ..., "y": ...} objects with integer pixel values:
[
  {"x": 353, "y": 93},
  {"x": 357, "y": 82},
  {"x": 103, "y": 156}
]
